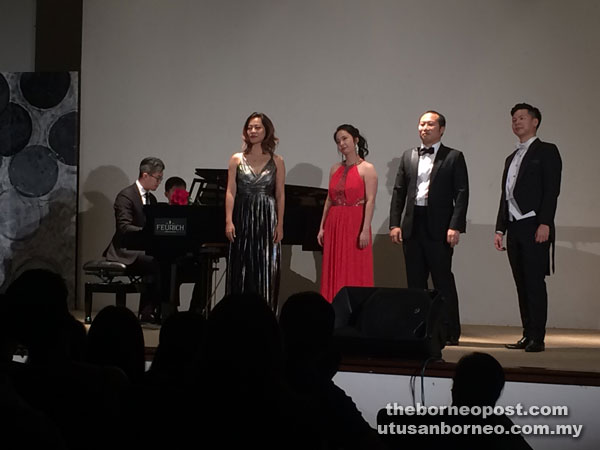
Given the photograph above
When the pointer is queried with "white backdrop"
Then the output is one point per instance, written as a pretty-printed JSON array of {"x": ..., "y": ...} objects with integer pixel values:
[{"x": 177, "y": 78}]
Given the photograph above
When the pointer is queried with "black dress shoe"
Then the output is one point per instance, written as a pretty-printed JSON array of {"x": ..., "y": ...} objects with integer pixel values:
[
  {"x": 535, "y": 346},
  {"x": 519, "y": 345},
  {"x": 147, "y": 318},
  {"x": 452, "y": 341}
]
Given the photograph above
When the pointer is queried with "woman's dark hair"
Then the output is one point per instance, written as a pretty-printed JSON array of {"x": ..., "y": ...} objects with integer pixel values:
[
  {"x": 363, "y": 147},
  {"x": 115, "y": 338},
  {"x": 270, "y": 141}
]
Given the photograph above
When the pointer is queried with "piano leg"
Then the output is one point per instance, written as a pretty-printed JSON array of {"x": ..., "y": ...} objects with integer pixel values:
[
  {"x": 202, "y": 288},
  {"x": 202, "y": 296}
]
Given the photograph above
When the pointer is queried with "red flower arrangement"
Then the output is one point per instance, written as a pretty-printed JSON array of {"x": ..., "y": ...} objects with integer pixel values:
[{"x": 180, "y": 197}]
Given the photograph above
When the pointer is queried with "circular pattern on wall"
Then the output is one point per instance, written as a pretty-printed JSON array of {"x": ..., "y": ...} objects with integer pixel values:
[
  {"x": 15, "y": 129},
  {"x": 4, "y": 94},
  {"x": 24, "y": 218},
  {"x": 63, "y": 138},
  {"x": 34, "y": 171},
  {"x": 45, "y": 89}
]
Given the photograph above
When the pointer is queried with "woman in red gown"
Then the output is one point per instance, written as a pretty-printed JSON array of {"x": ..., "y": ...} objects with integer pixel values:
[{"x": 345, "y": 232}]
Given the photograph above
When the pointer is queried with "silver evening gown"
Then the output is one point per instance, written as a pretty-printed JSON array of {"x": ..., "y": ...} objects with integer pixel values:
[{"x": 253, "y": 264}]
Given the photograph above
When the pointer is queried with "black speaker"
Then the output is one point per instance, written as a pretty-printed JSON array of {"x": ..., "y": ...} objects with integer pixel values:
[{"x": 389, "y": 322}]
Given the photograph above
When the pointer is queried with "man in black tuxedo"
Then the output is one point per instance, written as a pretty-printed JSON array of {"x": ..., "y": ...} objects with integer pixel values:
[
  {"x": 130, "y": 218},
  {"x": 432, "y": 183},
  {"x": 530, "y": 188}
]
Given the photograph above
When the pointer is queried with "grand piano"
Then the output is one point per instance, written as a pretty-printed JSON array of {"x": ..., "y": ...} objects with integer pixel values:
[{"x": 196, "y": 233}]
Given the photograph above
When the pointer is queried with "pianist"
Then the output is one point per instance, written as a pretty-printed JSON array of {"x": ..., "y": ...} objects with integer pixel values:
[{"x": 130, "y": 218}]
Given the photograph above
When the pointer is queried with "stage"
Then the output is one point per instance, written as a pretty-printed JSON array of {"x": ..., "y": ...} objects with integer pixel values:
[{"x": 571, "y": 357}]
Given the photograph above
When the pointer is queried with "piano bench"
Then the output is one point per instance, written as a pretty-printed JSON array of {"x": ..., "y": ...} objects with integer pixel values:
[{"x": 107, "y": 271}]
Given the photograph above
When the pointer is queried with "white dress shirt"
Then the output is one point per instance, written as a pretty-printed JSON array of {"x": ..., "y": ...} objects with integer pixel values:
[
  {"x": 143, "y": 192},
  {"x": 514, "y": 213},
  {"x": 424, "y": 174}
]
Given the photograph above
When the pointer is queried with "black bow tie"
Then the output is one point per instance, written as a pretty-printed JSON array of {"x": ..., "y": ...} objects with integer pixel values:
[{"x": 426, "y": 151}]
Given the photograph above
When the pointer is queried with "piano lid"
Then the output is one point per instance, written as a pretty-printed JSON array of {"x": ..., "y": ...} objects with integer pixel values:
[
  {"x": 217, "y": 177},
  {"x": 212, "y": 183}
]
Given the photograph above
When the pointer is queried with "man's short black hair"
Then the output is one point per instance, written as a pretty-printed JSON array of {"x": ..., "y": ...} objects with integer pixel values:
[
  {"x": 151, "y": 165},
  {"x": 441, "y": 120},
  {"x": 531, "y": 110},
  {"x": 174, "y": 182}
]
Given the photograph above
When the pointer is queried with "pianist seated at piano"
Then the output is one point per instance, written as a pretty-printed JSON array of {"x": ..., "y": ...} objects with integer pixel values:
[
  {"x": 254, "y": 209},
  {"x": 130, "y": 219},
  {"x": 176, "y": 191}
]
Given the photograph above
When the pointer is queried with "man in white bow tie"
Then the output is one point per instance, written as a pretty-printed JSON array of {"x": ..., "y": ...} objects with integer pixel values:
[{"x": 530, "y": 188}]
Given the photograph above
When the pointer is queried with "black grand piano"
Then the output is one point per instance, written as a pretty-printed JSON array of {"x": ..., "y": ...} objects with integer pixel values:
[{"x": 196, "y": 232}]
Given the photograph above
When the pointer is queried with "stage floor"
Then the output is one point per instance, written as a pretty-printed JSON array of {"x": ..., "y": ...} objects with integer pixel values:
[{"x": 571, "y": 357}]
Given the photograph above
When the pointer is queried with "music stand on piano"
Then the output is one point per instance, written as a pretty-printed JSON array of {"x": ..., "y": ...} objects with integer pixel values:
[{"x": 212, "y": 184}]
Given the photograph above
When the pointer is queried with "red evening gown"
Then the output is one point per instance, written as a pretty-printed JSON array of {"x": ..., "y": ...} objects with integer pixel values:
[{"x": 344, "y": 263}]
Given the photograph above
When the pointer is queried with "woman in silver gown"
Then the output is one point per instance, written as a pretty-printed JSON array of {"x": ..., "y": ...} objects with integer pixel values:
[{"x": 254, "y": 205}]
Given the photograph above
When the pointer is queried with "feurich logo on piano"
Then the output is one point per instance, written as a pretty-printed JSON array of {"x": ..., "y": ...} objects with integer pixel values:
[{"x": 170, "y": 227}]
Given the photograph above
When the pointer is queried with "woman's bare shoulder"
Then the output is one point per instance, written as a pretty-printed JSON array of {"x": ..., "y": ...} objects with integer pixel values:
[{"x": 367, "y": 167}]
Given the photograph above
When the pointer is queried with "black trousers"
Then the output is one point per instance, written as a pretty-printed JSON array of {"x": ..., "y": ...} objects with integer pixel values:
[
  {"x": 529, "y": 262},
  {"x": 158, "y": 276},
  {"x": 426, "y": 256}
]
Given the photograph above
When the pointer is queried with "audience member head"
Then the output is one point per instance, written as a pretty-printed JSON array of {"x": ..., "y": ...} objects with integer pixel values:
[
  {"x": 115, "y": 338},
  {"x": 243, "y": 340},
  {"x": 175, "y": 185},
  {"x": 306, "y": 323},
  {"x": 151, "y": 173},
  {"x": 478, "y": 380},
  {"x": 266, "y": 135},
  {"x": 362, "y": 148},
  {"x": 180, "y": 342},
  {"x": 39, "y": 315}
]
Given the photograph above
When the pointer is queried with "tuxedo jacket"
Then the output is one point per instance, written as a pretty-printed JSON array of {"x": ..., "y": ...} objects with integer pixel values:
[
  {"x": 448, "y": 196},
  {"x": 129, "y": 217},
  {"x": 537, "y": 185}
]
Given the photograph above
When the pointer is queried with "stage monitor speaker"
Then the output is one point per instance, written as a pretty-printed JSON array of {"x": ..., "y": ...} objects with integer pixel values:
[{"x": 389, "y": 322}]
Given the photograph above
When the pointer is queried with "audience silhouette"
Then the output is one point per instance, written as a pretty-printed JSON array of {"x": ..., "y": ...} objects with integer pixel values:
[
  {"x": 248, "y": 399},
  {"x": 478, "y": 382},
  {"x": 311, "y": 361},
  {"x": 238, "y": 378},
  {"x": 115, "y": 338},
  {"x": 180, "y": 345},
  {"x": 75, "y": 397}
]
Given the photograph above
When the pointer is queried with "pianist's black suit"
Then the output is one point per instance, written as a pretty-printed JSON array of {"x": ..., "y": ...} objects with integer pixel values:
[{"x": 130, "y": 218}]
